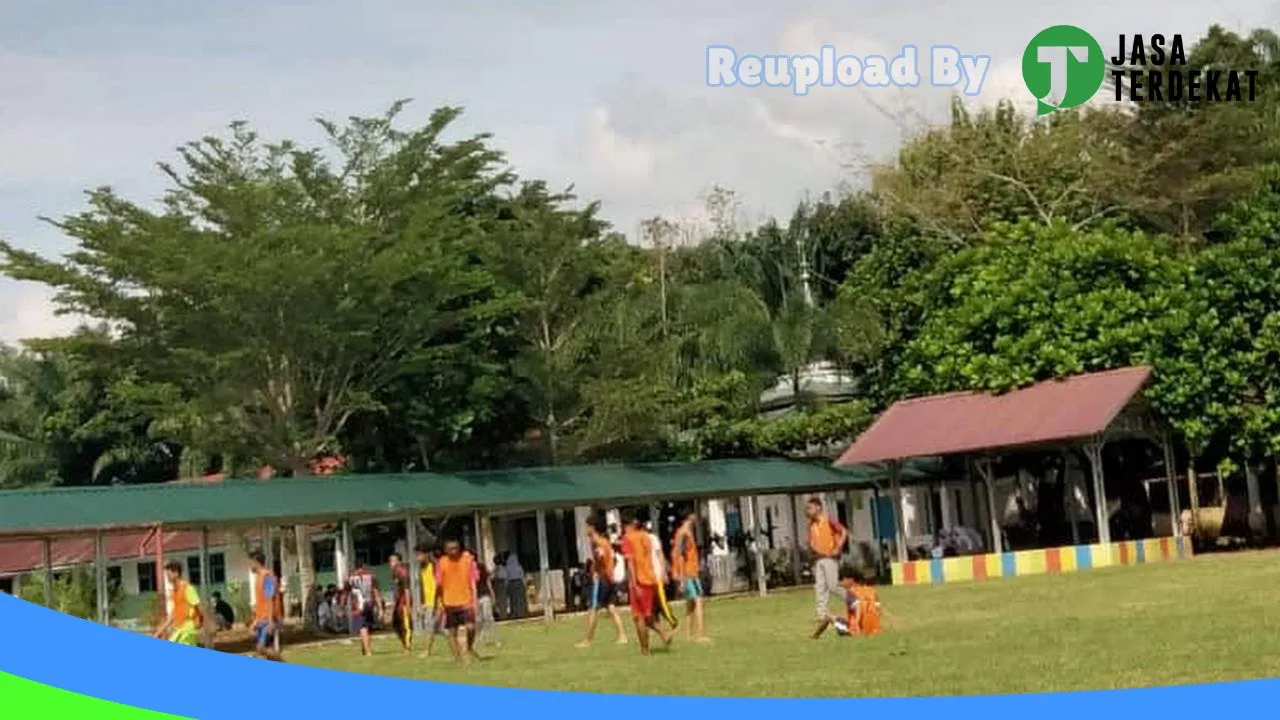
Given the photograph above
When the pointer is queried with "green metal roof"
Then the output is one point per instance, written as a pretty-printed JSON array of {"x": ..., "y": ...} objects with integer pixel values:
[{"x": 230, "y": 502}]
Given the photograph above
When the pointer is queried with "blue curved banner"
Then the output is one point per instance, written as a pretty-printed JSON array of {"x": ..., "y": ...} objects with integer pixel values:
[{"x": 64, "y": 657}]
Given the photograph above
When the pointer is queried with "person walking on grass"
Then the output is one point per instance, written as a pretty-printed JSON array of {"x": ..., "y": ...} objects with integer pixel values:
[
  {"x": 602, "y": 590},
  {"x": 642, "y": 591},
  {"x": 456, "y": 577},
  {"x": 184, "y": 618},
  {"x": 366, "y": 603},
  {"x": 826, "y": 538},
  {"x": 686, "y": 571},
  {"x": 429, "y": 620},
  {"x": 266, "y": 618}
]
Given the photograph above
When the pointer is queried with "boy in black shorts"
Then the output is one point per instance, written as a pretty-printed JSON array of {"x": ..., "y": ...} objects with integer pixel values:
[{"x": 602, "y": 592}]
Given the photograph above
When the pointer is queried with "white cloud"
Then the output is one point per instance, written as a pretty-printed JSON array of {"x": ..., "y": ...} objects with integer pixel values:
[
  {"x": 621, "y": 161},
  {"x": 28, "y": 313}
]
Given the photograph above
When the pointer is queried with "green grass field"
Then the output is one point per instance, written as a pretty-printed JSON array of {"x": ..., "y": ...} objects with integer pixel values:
[{"x": 1214, "y": 618}]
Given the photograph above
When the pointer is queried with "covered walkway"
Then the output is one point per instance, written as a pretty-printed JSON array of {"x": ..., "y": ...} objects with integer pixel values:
[{"x": 44, "y": 527}]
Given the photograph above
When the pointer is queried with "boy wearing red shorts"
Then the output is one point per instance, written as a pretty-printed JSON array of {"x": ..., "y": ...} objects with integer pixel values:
[{"x": 642, "y": 590}]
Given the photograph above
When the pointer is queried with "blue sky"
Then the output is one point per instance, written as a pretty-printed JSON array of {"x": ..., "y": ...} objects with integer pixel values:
[{"x": 610, "y": 96}]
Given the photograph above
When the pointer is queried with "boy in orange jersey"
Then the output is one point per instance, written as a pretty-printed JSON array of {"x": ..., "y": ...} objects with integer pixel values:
[
  {"x": 456, "y": 578},
  {"x": 687, "y": 573},
  {"x": 862, "y": 609},
  {"x": 266, "y": 618},
  {"x": 642, "y": 590},
  {"x": 826, "y": 541},
  {"x": 184, "y": 617},
  {"x": 602, "y": 593}
]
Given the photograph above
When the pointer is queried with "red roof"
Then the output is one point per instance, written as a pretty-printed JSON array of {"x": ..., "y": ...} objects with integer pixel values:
[
  {"x": 28, "y": 555},
  {"x": 956, "y": 423}
]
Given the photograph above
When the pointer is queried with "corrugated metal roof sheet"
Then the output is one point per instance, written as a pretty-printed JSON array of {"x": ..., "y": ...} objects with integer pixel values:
[
  {"x": 284, "y": 501},
  {"x": 955, "y": 423}
]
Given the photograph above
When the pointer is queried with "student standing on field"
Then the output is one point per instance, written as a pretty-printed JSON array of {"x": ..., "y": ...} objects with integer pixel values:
[
  {"x": 687, "y": 572},
  {"x": 826, "y": 538},
  {"x": 638, "y": 549}
]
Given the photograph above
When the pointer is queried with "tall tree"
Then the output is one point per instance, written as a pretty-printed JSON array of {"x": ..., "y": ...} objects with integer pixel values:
[{"x": 278, "y": 289}]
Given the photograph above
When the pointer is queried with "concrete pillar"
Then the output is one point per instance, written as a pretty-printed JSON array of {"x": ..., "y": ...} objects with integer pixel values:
[
  {"x": 987, "y": 471},
  {"x": 1094, "y": 453},
  {"x": 581, "y": 514},
  {"x": 718, "y": 527},
  {"x": 947, "y": 502},
  {"x": 900, "y": 529},
  {"x": 1256, "y": 521},
  {"x": 342, "y": 552},
  {"x": 1171, "y": 483},
  {"x": 48, "y": 573},
  {"x": 100, "y": 579},
  {"x": 415, "y": 570},
  {"x": 756, "y": 545},
  {"x": 544, "y": 567}
]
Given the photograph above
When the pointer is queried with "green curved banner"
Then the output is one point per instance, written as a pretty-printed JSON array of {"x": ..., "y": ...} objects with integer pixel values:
[{"x": 24, "y": 698}]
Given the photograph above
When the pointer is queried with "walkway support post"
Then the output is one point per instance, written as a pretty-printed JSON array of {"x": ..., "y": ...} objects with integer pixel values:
[
  {"x": 100, "y": 578},
  {"x": 1093, "y": 451},
  {"x": 986, "y": 467},
  {"x": 415, "y": 570},
  {"x": 757, "y": 546},
  {"x": 206, "y": 596},
  {"x": 344, "y": 547},
  {"x": 1171, "y": 479},
  {"x": 48, "y": 573},
  {"x": 795, "y": 539},
  {"x": 544, "y": 568}
]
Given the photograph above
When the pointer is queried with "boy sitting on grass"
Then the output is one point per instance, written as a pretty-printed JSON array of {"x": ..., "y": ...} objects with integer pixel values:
[{"x": 862, "y": 608}]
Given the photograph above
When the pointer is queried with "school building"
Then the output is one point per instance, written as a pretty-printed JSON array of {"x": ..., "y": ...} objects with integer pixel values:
[{"x": 936, "y": 490}]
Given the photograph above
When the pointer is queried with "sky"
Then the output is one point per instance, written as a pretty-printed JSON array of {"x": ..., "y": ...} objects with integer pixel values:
[{"x": 610, "y": 97}]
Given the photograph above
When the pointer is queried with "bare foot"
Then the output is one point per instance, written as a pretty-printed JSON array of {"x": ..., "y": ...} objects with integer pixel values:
[
  {"x": 621, "y": 641},
  {"x": 704, "y": 639},
  {"x": 583, "y": 645}
]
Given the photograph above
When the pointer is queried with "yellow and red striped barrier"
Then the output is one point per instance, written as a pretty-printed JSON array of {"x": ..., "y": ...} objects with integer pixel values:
[{"x": 1046, "y": 561}]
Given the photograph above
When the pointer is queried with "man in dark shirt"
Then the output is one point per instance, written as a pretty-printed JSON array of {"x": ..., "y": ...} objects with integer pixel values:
[{"x": 222, "y": 612}]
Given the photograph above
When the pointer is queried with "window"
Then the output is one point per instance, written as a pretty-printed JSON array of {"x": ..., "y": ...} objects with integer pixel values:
[
  {"x": 322, "y": 551},
  {"x": 217, "y": 568},
  {"x": 147, "y": 577},
  {"x": 115, "y": 577},
  {"x": 6, "y": 585}
]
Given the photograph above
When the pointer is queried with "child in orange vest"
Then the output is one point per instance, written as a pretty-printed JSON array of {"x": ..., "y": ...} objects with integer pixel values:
[{"x": 862, "y": 609}]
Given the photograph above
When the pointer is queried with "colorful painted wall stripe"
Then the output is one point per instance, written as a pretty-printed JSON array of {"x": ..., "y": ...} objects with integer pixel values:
[{"x": 1051, "y": 561}]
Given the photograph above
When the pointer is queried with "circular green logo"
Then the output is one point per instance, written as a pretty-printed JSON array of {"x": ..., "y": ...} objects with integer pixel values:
[{"x": 1063, "y": 66}]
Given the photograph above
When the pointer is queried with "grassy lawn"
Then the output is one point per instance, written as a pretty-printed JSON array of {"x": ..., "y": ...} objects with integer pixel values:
[{"x": 1211, "y": 619}]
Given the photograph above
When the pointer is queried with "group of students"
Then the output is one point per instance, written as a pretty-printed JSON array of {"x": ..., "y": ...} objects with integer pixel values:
[
  {"x": 184, "y": 618},
  {"x": 861, "y": 601},
  {"x": 457, "y": 600},
  {"x": 645, "y": 574},
  {"x": 458, "y": 593}
]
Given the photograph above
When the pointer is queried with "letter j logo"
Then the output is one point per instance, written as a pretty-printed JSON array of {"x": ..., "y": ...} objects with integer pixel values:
[{"x": 1063, "y": 67}]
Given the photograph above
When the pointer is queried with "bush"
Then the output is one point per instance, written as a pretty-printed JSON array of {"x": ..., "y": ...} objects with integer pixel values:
[
  {"x": 237, "y": 596},
  {"x": 777, "y": 567},
  {"x": 74, "y": 593}
]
